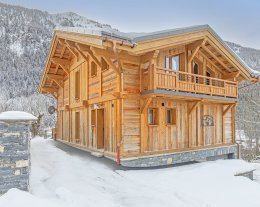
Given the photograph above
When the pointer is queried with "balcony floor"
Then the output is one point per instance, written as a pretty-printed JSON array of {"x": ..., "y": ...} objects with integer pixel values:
[{"x": 187, "y": 95}]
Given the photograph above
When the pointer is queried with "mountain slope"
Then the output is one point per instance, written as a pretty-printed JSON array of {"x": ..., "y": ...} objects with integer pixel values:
[{"x": 25, "y": 36}]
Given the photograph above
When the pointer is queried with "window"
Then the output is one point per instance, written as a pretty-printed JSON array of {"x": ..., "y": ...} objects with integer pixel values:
[
  {"x": 195, "y": 68},
  {"x": 171, "y": 116},
  {"x": 93, "y": 69},
  {"x": 77, "y": 85},
  {"x": 152, "y": 116},
  {"x": 172, "y": 62},
  {"x": 77, "y": 127},
  {"x": 167, "y": 62},
  {"x": 93, "y": 117},
  {"x": 104, "y": 65},
  {"x": 175, "y": 62}
]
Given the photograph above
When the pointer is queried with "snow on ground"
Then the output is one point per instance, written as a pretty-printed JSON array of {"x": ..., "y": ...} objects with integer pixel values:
[{"x": 66, "y": 177}]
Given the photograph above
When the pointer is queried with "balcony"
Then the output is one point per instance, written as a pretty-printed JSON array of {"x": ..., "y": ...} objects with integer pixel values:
[{"x": 192, "y": 83}]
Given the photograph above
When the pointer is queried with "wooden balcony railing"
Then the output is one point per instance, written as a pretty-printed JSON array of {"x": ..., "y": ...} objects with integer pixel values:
[{"x": 187, "y": 82}]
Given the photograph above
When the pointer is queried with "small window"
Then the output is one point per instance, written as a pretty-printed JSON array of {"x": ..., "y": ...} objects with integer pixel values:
[
  {"x": 172, "y": 62},
  {"x": 175, "y": 62},
  {"x": 167, "y": 62},
  {"x": 77, "y": 85},
  {"x": 171, "y": 116},
  {"x": 104, "y": 64},
  {"x": 195, "y": 68},
  {"x": 93, "y": 69},
  {"x": 93, "y": 117},
  {"x": 152, "y": 116}
]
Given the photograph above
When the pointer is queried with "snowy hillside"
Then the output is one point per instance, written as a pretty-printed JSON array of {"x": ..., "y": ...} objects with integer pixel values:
[
  {"x": 25, "y": 36},
  {"x": 66, "y": 177}
]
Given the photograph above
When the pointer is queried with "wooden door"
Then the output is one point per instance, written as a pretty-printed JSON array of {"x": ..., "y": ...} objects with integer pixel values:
[{"x": 100, "y": 128}]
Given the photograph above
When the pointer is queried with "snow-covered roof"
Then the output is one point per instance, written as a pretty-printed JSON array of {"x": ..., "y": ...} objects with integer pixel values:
[
  {"x": 135, "y": 38},
  {"x": 13, "y": 116}
]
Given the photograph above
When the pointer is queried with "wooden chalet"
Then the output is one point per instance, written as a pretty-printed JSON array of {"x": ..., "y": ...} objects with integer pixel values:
[{"x": 149, "y": 99}]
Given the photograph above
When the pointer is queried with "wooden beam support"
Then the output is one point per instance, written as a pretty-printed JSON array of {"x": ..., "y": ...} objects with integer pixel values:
[
  {"x": 85, "y": 48},
  {"x": 54, "y": 76},
  {"x": 71, "y": 49},
  {"x": 230, "y": 76},
  {"x": 107, "y": 59},
  {"x": 195, "y": 48},
  {"x": 211, "y": 62},
  {"x": 146, "y": 104},
  {"x": 50, "y": 89},
  {"x": 63, "y": 63},
  {"x": 150, "y": 55},
  {"x": 60, "y": 61},
  {"x": 227, "y": 109},
  {"x": 194, "y": 107},
  {"x": 216, "y": 58}
]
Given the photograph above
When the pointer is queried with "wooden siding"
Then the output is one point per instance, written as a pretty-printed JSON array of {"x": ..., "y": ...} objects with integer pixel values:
[{"x": 125, "y": 117}]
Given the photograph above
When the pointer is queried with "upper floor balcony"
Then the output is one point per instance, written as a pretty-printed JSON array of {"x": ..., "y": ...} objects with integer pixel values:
[{"x": 168, "y": 79}]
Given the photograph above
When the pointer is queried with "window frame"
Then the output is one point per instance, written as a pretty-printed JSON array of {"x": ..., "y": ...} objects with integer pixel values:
[
  {"x": 77, "y": 84},
  {"x": 173, "y": 114},
  {"x": 169, "y": 58},
  {"x": 154, "y": 118}
]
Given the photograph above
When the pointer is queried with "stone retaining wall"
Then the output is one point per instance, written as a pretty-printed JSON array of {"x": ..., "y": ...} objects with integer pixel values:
[
  {"x": 14, "y": 157},
  {"x": 228, "y": 152}
]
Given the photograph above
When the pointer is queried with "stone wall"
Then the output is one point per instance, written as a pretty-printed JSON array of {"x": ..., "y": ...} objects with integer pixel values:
[
  {"x": 228, "y": 152},
  {"x": 14, "y": 156}
]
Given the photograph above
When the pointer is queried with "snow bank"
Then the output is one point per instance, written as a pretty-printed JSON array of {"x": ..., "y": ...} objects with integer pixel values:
[
  {"x": 71, "y": 178},
  {"x": 18, "y": 198},
  {"x": 16, "y": 116}
]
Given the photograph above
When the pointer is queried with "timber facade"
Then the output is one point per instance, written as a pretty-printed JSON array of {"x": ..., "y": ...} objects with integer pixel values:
[{"x": 157, "y": 95}]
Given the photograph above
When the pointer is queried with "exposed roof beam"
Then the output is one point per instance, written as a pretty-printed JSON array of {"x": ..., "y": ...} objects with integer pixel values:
[
  {"x": 71, "y": 49},
  {"x": 195, "y": 48},
  {"x": 211, "y": 62},
  {"x": 63, "y": 63},
  {"x": 85, "y": 48},
  {"x": 216, "y": 58},
  {"x": 229, "y": 76},
  {"x": 56, "y": 77},
  {"x": 50, "y": 89},
  {"x": 108, "y": 60}
]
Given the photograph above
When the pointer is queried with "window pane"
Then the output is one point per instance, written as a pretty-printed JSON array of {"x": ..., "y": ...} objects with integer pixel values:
[
  {"x": 167, "y": 62},
  {"x": 150, "y": 116},
  {"x": 169, "y": 120},
  {"x": 176, "y": 62}
]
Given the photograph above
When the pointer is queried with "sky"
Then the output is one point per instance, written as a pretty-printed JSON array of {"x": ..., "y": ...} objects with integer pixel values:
[{"x": 234, "y": 20}]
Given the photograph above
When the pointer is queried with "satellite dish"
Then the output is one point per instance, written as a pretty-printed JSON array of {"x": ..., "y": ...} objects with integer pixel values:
[{"x": 51, "y": 109}]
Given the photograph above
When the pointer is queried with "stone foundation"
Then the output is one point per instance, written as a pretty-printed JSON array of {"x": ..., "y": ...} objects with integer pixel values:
[
  {"x": 228, "y": 152},
  {"x": 14, "y": 157}
]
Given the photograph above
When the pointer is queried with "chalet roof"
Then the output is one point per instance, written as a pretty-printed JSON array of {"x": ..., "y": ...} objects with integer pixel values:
[{"x": 135, "y": 38}]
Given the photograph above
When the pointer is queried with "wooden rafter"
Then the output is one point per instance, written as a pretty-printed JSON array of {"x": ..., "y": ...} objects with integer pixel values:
[
  {"x": 195, "y": 48},
  {"x": 71, "y": 49},
  {"x": 49, "y": 89},
  {"x": 57, "y": 79},
  {"x": 150, "y": 55},
  {"x": 211, "y": 62},
  {"x": 54, "y": 76},
  {"x": 230, "y": 76},
  {"x": 85, "y": 48},
  {"x": 216, "y": 58},
  {"x": 62, "y": 63}
]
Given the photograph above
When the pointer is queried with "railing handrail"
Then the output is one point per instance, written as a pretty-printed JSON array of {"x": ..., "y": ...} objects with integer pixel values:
[{"x": 196, "y": 75}]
